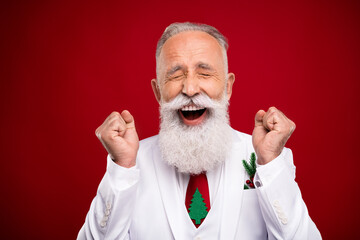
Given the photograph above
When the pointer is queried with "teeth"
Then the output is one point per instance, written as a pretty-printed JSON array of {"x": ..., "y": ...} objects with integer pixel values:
[{"x": 191, "y": 108}]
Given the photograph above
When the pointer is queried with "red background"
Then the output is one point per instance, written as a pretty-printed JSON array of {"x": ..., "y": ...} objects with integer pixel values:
[{"x": 65, "y": 65}]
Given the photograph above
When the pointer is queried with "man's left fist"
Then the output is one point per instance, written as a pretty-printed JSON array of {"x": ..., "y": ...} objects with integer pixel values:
[{"x": 271, "y": 132}]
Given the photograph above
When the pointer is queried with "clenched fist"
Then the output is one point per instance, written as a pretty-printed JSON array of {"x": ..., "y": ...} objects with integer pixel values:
[
  {"x": 119, "y": 137},
  {"x": 271, "y": 132}
]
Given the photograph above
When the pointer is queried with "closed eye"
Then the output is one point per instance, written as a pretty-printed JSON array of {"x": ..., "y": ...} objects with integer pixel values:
[
  {"x": 176, "y": 77},
  {"x": 204, "y": 74}
]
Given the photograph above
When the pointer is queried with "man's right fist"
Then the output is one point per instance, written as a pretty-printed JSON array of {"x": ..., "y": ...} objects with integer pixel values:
[{"x": 119, "y": 137}]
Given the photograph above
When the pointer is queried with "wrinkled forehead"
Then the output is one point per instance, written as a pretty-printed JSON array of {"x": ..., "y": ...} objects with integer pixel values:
[
  {"x": 191, "y": 47},
  {"x": 189, "y": 40}
]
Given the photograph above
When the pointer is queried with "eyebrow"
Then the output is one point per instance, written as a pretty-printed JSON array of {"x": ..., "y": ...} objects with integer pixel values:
[
  {"x": 204, "y": 66},
  {"x": 174, "y": 69}
]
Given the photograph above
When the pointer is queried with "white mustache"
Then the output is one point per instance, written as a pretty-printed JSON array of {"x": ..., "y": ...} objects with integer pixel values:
[{"x": 200, "y": 100}]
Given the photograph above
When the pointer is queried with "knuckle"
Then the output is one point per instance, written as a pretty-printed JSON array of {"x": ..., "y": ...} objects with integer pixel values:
[
  {"x": 275, "y": 113},
  {"x": 114, "y": 113},
  {"x": 99, "y": 135},
  {"x": 114, "y": 123},
  {"x": 272, "y": 109},
  {"x": 97, "y": 132}
]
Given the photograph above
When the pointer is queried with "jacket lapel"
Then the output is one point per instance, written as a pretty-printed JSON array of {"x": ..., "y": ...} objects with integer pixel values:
[
  {"x": 233, "y": 189},
  {"x": 180, "y": 223}
]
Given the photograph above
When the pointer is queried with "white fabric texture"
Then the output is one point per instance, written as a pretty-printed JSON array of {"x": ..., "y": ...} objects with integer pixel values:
[{"x": 148, "y": 201}]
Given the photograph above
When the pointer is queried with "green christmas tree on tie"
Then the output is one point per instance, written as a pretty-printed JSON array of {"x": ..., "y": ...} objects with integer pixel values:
[{"x": 197, "y": 209}]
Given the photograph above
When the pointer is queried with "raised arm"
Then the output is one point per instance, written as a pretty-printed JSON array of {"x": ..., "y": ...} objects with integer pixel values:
[
  {"x": 282, "y": 206},
  {"x": 110, "y": 211}
]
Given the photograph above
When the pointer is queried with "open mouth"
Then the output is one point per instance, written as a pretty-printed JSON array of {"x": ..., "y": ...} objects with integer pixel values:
[{"x": 192, "y": 115}]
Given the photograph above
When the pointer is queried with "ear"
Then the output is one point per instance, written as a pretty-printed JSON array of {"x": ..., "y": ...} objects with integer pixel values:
[
  {"x": 156, "y": 90},
  {"x": 229, "y": 84}
]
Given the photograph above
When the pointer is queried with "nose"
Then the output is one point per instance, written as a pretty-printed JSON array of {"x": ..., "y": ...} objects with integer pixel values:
[{"x": 191, "y": 86}]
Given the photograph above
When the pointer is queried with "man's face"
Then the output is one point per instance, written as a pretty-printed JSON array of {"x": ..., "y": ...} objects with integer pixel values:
[{"x": 191, "y": 63}]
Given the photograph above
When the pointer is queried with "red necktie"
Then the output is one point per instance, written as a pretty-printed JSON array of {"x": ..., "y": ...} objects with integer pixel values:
[{"x": 197, "y": 198}]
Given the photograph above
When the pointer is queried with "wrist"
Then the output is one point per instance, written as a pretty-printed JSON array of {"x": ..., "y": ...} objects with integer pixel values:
[
  {"x": 264, "y": 159},
  {"x": 126, "y": 163}
]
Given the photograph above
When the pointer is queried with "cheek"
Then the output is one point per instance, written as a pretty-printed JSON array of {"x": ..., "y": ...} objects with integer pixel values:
[
  {"x": 214, "y": 89},
  {"x": 170, "y": 90}
]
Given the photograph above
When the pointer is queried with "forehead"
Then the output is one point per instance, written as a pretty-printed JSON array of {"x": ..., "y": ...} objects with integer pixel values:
[{"x": 191, "y": 46}]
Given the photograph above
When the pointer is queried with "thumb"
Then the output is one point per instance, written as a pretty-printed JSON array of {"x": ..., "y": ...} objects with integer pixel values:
[
  {"x": 128, "y": 118},
  {"x": 259, "y": 118}
]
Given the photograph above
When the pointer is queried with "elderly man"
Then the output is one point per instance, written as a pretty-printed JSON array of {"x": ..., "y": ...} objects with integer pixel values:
[{"x": 199, "y": 178}]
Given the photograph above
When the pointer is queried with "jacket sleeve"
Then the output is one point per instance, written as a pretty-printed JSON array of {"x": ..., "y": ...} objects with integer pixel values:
[
  {"x": 281, "y": 203},
  {"x": 110, "y": 211}
]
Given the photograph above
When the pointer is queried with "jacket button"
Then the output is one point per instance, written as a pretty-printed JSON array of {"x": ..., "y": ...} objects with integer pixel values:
[
  {"x": 284, "y": 221},
  {"x": 258, "y": 184},
  {"x": 102, "y": 224},
  {"x": 107, "y": 212}
]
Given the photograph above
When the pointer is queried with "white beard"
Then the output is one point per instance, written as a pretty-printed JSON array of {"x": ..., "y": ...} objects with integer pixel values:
[{"x": 200, "y": 148}]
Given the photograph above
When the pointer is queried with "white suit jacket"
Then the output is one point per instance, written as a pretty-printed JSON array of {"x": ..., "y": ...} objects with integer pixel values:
[{"x": 144, "y": 202}]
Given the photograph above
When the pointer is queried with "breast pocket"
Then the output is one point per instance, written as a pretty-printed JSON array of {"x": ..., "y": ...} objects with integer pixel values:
[{"x": 249, "y": 194}]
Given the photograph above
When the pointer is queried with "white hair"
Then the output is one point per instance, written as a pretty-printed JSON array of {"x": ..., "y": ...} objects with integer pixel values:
[{"x": 177, "y": 28}]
